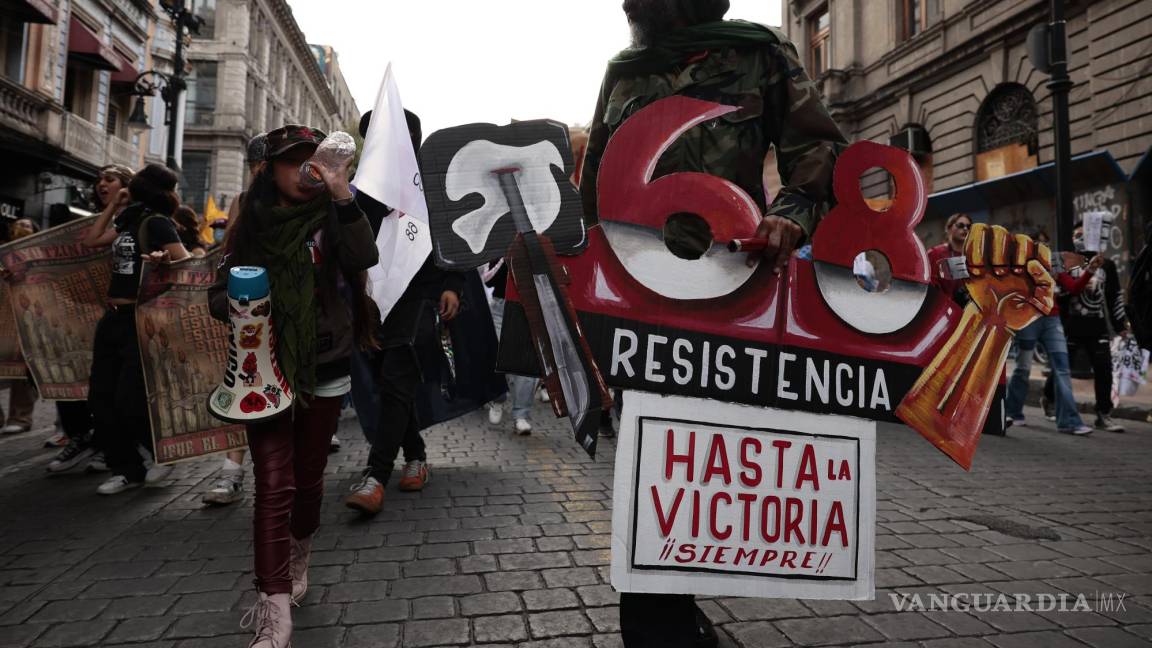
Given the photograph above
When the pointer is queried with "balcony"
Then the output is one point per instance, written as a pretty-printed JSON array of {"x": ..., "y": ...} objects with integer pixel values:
[
  {"x": 21, "y": 109},
  {"x": 91, "y": 144}
]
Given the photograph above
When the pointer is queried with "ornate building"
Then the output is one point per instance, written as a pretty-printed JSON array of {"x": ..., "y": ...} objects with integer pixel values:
[
  {"x": 951, "y": 81},
  {"x": 66, "y": 73},
  {"x": 251, "y": 71}
]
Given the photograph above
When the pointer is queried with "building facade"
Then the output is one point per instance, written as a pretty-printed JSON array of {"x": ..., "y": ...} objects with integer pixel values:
[
  {"x": 329, "y": 63},
  {"x": 67, "y": 68},
  {"x": 951, "y": 81},
  {"x": 250, "y": 71}
]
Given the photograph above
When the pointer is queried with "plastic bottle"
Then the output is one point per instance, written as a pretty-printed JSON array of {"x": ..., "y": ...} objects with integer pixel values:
[{"x": 332, "y": 153}]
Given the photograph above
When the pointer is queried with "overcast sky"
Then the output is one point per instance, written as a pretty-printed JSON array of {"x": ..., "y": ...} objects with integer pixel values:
[{"x": 463, "y": 61}]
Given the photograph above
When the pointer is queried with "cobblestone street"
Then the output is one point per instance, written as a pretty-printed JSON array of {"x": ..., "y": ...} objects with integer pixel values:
[{"x": 508, "y": 545}]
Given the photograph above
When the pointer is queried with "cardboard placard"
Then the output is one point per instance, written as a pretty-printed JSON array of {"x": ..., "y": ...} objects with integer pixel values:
[
  {"x": 11, "y": 362},
  {"x": 59, "y": 292},
  {"x": 730, "y": 500},
  {"x": 182, "y": 349},
  {"x": 471, "y": 219}
]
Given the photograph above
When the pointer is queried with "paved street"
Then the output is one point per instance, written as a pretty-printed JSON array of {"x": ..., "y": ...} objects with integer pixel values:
[{"x": 508, "y": 546}]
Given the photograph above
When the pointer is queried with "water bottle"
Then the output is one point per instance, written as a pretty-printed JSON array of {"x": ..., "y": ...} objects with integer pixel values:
[{"x": 332, "y": 153}]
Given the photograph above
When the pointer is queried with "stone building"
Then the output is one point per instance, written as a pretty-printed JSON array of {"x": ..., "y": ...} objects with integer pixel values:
[
  {"x": 250, "y": 71},
  {"x": 329, "y": 63},
  {"x": 951, "y": 81},
  {"x": 66, "y": 72}
]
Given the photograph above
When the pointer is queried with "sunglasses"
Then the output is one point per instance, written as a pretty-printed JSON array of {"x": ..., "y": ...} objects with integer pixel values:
[{"x": 962, "y": 225}]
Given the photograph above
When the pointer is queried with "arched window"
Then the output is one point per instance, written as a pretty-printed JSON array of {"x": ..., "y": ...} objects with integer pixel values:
[{"x": 1007, "y": 128}]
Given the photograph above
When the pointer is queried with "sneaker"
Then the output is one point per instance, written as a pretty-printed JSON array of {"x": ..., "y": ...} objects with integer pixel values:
[
  {"x": 367, "y": 496},
  {"x": 415, "y": 475},
  {"x": 523, "y": 427},
  {"x": 58, "y": 440},
  {"x": 1049, "y": 408},
  {"x": 1017, "y": 422},
  {"x": 97, "y": 464},
  {"x": 229, "y": 488},
  {"x": 70, "y": 457},
  {"x": 542, "y": 394},
  {"x": 14, "y": 428},
  {"x": 156, "y": 472},
  {"x": 1105, "y": 422},
  {"x": 118, "y": 484},
  {"x": 495, "y": 413},
  {"x": 334, "y": 444},
  {"x": 1079, "y": 430}
]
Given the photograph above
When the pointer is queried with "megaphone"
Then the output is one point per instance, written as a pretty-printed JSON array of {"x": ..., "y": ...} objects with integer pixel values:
[{"x": 254, "y": 389}]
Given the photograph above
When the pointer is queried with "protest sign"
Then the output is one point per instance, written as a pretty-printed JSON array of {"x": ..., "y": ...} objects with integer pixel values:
[
  {"x": 730, "y": 500},
  {"x": 11, "y": 362},
  {"x": 182, "y": 350},
  {"x": 59, "y": 292}
]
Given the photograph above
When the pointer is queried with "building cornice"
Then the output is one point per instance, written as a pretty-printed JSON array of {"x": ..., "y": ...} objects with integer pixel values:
[{"x": 283, "y": 14}]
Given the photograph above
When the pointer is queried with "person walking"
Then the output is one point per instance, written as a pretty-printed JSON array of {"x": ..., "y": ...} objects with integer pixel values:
[
  {"x": 309, "y": 239},
  {"x": 143, "y": 231},
  {"x": 520, "y": 388},
  {"x": 956, "y": 230}
]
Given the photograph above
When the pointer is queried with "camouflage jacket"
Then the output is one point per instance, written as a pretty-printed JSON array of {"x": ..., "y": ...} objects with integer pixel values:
[{"x": 780, "y": 106}]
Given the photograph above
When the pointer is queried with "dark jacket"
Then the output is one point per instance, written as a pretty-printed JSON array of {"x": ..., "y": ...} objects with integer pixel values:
[
  {"x": 349, "y": 236},
  {"x": 1089, "y": 312},
  {"x": 412, "y": 316}
]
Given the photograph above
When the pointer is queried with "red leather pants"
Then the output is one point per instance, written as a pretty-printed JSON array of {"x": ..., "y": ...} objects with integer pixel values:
[{"x": 289, "y": 455}]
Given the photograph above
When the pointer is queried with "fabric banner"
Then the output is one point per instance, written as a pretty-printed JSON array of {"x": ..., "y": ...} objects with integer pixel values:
[
  {"x": 183, "y": 352},
  {"x": 59, "y": 291},
  {"x": 729, "y": 500},
  {"x": 11, "y": 362}
]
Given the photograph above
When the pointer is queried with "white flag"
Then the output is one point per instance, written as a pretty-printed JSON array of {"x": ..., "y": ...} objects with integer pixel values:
[{"x": 388, "y": 172}]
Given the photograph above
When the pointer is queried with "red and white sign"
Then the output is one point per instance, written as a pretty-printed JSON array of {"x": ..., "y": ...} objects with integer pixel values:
[{"x": 731, "y": 500}]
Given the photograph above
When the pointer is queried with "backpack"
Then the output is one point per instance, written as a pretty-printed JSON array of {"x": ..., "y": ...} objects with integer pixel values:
[{"x": 1139, "y": 305}]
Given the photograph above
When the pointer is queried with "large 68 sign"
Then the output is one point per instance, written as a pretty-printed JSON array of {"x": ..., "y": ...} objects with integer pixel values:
[{"x": 634, "y": 209}]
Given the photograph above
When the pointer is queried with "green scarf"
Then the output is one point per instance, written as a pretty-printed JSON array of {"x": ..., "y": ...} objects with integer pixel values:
[
  {"x": 670, "y": 50},
  {"x": 284, "y": 232}
]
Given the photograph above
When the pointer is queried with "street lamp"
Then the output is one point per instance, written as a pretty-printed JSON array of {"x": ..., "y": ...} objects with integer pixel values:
[{"x": 171, "y": 86}]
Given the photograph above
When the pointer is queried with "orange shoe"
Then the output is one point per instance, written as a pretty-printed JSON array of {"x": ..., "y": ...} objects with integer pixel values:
[
  {"x": 366, "y": 496},
  {"x": 416, "y": 473}
]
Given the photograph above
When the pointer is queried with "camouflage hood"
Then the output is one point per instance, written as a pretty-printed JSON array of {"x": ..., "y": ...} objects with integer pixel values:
[{"x": 665, "y": 54}]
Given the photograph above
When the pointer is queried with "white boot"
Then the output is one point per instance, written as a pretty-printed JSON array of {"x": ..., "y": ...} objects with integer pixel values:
[
  {"x": 272, "y": 616},
  {"x": 301, "y": 555}
]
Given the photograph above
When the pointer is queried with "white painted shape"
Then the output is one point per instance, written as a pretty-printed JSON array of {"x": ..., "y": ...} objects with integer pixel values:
[
  {"x": 875, "y": 313},
  {"x": 471, "y": 172}
]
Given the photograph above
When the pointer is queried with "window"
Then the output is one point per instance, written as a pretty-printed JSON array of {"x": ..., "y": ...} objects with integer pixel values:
[
  {"x": 206, "y": 10},
  {"x": 201, "y": 98},
  {"x": 914, "y": 139},
  {"x": 78, "y": 82},
  {"x": 112, "y": 125},
  {"x": 13, "y": 49},
  {"x": 197, "y": 167},
  {"x": 916, "y": 15},
  {"x": 819, "y": 32},
  {"x": 1007, "y": 132}
]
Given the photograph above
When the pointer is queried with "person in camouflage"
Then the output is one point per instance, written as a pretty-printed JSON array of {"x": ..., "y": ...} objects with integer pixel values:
[{"x": 685, "y": 47}]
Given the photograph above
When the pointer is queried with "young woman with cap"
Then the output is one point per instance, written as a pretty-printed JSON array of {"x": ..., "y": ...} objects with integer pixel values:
[
  {"x": 141, "y": 231},
  {"x": 309, "y": 239}
]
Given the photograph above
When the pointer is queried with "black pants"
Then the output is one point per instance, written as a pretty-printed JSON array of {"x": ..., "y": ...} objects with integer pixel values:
[
  {"x": 397, "y": 377},
  {"x": 116, "y": 395},
  {"x": 658, "y": 620},
  {"x": 1099, "y": 352},
  {"x": 76, "y": 421}
]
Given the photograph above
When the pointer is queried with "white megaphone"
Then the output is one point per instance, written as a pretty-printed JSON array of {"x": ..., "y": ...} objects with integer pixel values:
[{"x": 254, "y": 389}]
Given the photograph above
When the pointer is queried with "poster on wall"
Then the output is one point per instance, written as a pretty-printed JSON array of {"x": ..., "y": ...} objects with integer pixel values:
[
  {"x": 182, "y": 351},
  {"x": 59, "y": 292},
  {"x": 11, "y": 362},
  {"x": 721, "y": 499}
]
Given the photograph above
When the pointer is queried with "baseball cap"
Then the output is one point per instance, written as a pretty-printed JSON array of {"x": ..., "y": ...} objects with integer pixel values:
[{"x": 290, "y": 136}]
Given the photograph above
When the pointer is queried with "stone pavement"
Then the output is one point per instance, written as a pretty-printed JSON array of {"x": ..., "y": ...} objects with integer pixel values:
[{"x": 509, "y": 546}]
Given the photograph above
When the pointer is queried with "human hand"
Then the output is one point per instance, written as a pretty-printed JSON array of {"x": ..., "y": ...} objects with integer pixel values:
[
  {"x": 1010, "y": 276},
  {"x": 159, "y": 256},
  {"x": 449, "y": 305},
  {"x": 1096, "y": 263},
  {"x": 782, "y": 235},
  {"x": 123, "y": 197},
  {"x": 335, "y": 179}
]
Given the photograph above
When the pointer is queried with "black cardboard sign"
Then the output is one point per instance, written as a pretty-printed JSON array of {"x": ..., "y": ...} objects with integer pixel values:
[{"x": 470, "y": 219}]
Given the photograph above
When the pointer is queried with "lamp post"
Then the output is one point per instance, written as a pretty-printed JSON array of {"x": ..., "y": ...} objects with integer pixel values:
[{"x": 171, "y": 86}]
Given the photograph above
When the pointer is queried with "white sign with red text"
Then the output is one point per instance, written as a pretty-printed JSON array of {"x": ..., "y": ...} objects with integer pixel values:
[{"x": 721, "y": 499}]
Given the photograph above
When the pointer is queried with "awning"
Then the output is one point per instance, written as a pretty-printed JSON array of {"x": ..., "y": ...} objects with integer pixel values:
[
  {"x": 1087, "y": 171},
  {"x": 33, "y": 11},
  {"x": 126, "y": 73},
  {"x": 83, "y": 45}
]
